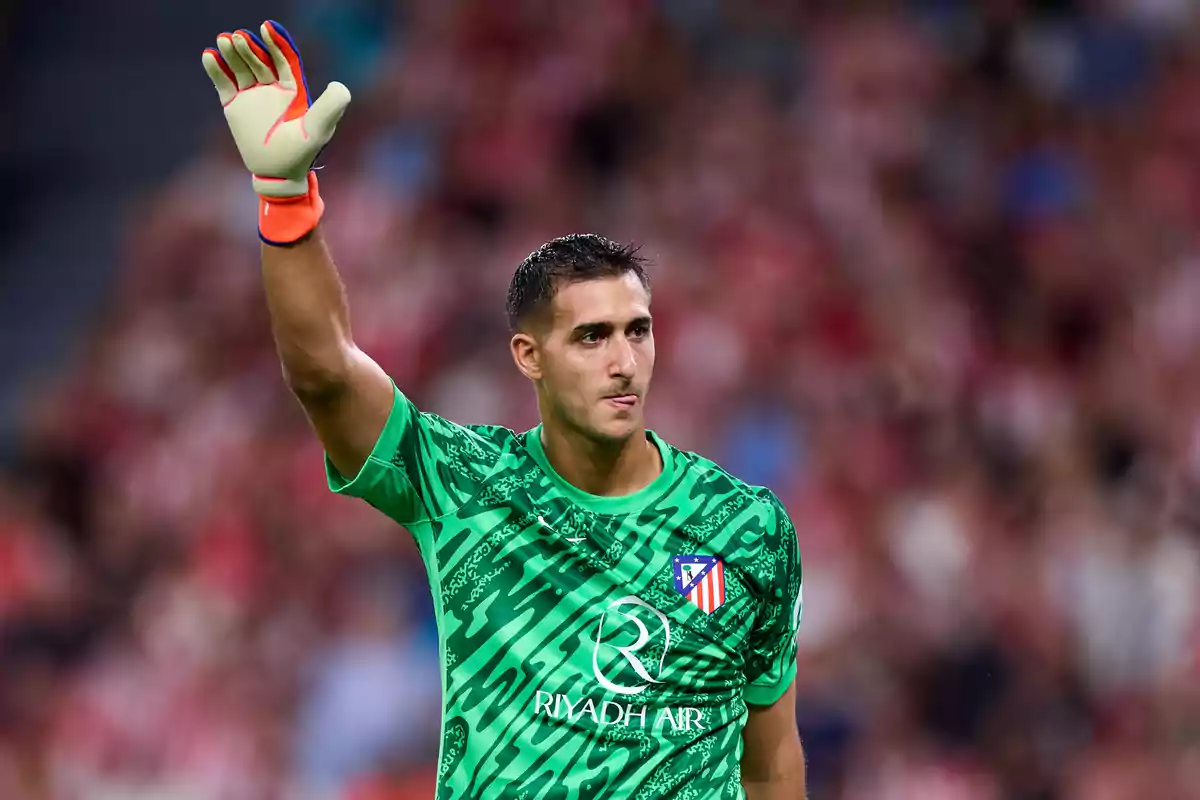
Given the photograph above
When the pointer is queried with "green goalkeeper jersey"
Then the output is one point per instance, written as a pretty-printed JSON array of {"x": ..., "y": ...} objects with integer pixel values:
[{"x": 591, "y": 647}]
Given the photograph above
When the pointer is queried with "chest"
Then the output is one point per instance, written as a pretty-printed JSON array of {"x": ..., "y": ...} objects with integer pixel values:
[{"x": 651, "y": 604}]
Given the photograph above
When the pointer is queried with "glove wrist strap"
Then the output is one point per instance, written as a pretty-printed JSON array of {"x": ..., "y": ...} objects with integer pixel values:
[{"x": 285, "y": 220}]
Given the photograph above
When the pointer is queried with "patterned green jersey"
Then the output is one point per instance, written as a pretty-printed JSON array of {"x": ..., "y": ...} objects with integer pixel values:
[{"x": 591, "y": 647}]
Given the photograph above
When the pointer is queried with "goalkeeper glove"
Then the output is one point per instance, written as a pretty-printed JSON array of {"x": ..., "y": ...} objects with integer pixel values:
[{"x": 278, "y": 130}]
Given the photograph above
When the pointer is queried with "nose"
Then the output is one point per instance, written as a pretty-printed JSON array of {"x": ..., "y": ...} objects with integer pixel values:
[{"x": 623, "y": 362}]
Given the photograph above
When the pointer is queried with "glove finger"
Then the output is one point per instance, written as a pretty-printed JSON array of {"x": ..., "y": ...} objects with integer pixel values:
[
  {"x": 220, "y": 74},
  {"x": 323, "y": 117},
  {"x": 255, "y": 54},
  {"x": 287, "y": 61},
  {"x": 241, "y": 72}
]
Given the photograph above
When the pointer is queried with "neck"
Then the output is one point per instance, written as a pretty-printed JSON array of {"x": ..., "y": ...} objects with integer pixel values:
[{"x": 606, "y": 469}]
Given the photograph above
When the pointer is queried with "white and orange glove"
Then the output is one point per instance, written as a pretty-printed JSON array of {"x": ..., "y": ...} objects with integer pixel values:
[{"x": 278, "y": 130}]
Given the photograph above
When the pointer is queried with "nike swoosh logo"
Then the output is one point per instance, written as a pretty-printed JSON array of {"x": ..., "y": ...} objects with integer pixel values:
[{"x": 542, "y": 521}]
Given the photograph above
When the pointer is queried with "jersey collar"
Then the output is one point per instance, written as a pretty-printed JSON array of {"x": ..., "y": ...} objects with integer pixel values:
[{"x": 603, "y": 504}]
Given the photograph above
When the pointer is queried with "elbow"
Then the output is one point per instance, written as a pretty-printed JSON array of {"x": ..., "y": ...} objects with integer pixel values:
[{"x": 316, "y": 382}]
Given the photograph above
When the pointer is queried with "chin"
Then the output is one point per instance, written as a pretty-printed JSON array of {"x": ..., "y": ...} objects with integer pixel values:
[{"x": 617, "y": 430}]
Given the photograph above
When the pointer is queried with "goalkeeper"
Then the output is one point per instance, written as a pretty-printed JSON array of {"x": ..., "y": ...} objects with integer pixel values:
[{"x": 617, "y": 617}]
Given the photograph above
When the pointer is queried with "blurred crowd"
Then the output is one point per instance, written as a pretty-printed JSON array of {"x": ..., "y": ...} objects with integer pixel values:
[{"x": 930, "y": 270}]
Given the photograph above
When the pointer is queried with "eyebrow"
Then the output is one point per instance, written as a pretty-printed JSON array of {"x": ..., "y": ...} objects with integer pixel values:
[{"x": 606, "y": 327}]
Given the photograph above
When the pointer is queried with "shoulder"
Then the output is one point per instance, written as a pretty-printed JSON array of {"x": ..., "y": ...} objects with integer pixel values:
[
  {"x": 748, "y": 523},
  {"x": 704, "y": 477},
  {"x": 468, "y": 448},
  {"x": 493, "y": 437},
  {"x": 487, "y": 443}
]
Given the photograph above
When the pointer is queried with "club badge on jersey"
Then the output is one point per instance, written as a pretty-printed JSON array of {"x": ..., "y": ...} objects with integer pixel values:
[{"x": 701, "y": 579}]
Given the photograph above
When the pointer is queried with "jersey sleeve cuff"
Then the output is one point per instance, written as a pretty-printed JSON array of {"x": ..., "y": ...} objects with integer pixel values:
[
  {"x": 373, "y": 470},
  {"x": 758, "y": 695}
]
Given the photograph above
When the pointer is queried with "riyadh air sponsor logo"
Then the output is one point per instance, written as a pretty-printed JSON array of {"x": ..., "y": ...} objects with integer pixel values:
[
  {"x": 604, "y": 713},
  {"x": 628, "y": 656}
]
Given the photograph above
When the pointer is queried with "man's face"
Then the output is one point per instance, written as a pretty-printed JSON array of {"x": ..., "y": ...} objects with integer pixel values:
[{"x": 596, "y": 355}]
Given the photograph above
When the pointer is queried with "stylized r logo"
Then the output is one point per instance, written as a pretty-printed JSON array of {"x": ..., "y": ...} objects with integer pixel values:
[{"x": 644, "y": 637}]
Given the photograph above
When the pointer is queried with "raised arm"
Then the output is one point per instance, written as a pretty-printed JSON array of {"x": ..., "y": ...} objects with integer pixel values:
[
  {"x": 261, "y": 85},
  {"x": 346, "y": 395}
]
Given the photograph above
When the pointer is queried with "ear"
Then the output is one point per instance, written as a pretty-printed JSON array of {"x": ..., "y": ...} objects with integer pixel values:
[{"x": 526, "y": 355}]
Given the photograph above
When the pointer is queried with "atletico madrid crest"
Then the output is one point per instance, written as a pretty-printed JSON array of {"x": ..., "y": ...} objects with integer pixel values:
[{"x": 701, "y": 579}]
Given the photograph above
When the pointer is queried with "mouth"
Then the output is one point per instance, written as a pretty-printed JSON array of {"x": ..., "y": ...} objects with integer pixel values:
[{"x": 622, "y": 401}]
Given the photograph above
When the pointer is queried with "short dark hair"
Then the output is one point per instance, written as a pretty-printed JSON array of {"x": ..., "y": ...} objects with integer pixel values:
[{"x": 565, "y": 260}]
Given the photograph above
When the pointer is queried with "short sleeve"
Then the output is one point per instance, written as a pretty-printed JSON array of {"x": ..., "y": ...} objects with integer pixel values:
[
  {"x": 771, "y": 664},
  {"x": 422, "y": 466}
]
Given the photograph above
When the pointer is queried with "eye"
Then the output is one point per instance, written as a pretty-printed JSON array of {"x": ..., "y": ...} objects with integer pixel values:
[
  {"x": 640, "y": 331},
  {"x": 591, "y": 337}
]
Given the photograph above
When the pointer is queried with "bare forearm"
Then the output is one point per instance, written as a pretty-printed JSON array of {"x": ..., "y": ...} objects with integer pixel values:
[
  {"x": 784, "y": 780},
  {"x": 310, "y": 318},
  {"x": 781, "y": 789}
]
